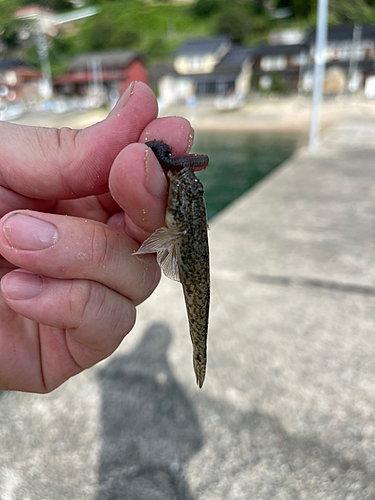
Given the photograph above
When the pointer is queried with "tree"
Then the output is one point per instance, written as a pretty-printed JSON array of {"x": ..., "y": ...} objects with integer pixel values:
[
  {"x": 205, "y": 8},
  {"x": 303, "y": 8},
  {"x": 349, "y": 11},
  {"x": 234, "y": 20}
]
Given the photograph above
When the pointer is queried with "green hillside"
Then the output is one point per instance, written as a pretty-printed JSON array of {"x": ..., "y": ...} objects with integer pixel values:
[{"x": 156, "y": 28}]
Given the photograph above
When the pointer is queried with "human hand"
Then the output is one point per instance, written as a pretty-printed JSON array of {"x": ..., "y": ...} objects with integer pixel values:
[{"x": 80, "y": 203}]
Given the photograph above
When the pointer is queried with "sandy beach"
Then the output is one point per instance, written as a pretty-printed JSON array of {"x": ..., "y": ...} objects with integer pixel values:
[
  {"x": 258, "y": 114},
  {"x": 275, "y": 113}
]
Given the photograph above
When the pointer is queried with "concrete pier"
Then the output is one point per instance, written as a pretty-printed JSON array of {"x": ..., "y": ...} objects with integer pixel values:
[{"x": 288, "y": 407}]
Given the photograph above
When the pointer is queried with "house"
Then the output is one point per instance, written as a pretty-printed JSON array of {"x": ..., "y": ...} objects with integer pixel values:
[
  {"x": 214, "y": 66},
  {"x": 346, "y": 41},
  {"x": 211, "y": 66},
  {"x": 19, "y": 81},
  {"x": 350, "y": 53},
  {"x": 350, "y": 56},
  {"x": 109, "y": 71},
  {"x": 278, "y": 67}
]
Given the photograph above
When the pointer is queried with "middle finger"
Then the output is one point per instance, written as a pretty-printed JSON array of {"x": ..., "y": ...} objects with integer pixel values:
[{"x": 75, "y": 248}]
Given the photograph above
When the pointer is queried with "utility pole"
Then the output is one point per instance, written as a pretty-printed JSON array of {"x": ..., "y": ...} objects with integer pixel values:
[
  {"x": 319, "y": 73},
  {"x": 353, "y": 83},
  {"x": 41, "y": 29},
  {"x": 42, "y": 49}
]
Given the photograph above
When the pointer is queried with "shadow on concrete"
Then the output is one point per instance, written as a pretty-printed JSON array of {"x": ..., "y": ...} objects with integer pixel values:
[
  {"x": 150, "y": 433},
  {"x": 150, "y": 429}
]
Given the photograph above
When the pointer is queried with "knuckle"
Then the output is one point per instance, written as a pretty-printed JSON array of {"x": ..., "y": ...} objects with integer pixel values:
[
  {"x": 101, "y": 251},
  {"x": 68, "y": 155},
  {"x": 149, "y": 280},
  {"x": 66, "y": 136},
  {"x": 80, "y": 299},
  {"x": 64, "y": 141},
  {"x": 58, "y": 146}
]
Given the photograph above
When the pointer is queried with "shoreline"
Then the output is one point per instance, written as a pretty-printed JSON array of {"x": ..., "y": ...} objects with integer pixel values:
[
  {"x": 286, "y": 114},
  {"x": 274, "y": 114}
]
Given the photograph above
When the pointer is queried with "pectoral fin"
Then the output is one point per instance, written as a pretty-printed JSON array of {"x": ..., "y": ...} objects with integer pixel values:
[{"x": 164, "y": 244}]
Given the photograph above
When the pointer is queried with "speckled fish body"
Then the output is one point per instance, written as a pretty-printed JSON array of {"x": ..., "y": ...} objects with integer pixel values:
[
  {"x": 183, "y": 254},
  {"x": 187, "y": 210}
]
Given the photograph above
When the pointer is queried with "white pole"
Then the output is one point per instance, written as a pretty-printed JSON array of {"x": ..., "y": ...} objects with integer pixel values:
[
  {"x": 319, "y": 71},
  {"x": 303, "y": 56},
  {"x": 42, "y": 49},
  {"x": 354, "y": 57}
]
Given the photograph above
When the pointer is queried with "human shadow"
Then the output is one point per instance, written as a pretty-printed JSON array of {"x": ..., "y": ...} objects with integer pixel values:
[{"x": 150, "y": 429}]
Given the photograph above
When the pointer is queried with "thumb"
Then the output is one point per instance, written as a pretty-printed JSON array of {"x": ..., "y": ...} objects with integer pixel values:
[{"x": 52, "y": 164}]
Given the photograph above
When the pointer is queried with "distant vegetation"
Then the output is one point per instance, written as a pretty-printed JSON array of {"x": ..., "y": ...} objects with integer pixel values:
[{"x": 157, "y": 28}]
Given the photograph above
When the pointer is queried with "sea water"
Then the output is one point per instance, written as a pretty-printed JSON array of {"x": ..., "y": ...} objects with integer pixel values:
[{"x": 238, "y": 161}]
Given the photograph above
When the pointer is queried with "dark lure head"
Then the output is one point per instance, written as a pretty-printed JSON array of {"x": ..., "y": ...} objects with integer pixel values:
[
  {"x": 163, "y": 153},
  {"x": 160, "y": 149}
]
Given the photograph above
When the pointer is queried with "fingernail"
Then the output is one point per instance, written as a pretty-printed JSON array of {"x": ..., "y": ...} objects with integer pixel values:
[
  {"x": 155, "y": 182},
  {"x": 28, "y": 233},
  {"x": 21, "y": 285},
  {"x": 123, "y": 99},
  {"x": 191, "y": 140}
]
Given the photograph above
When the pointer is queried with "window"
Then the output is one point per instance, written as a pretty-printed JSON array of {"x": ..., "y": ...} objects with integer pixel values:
[
  {"x": 350, "y": 50},
  {"x": 273, "y": 63},
  {"x": 300, "y": 59},
  {"x": 196, "y": 63},
  {"x": 206, "y": 88},
  {"x": 222, "y": 87}
]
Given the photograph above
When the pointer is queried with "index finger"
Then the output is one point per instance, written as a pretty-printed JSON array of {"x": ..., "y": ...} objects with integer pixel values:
[{"x": 137, "y": 181}]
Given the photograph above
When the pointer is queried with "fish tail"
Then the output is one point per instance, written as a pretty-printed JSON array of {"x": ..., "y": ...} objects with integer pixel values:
[
  {"x": 199, "y": 362},
  {"x": 197, "y": 298}
]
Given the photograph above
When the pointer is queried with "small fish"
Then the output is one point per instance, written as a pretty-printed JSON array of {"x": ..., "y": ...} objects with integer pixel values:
[{"x": 182, "y": 246}]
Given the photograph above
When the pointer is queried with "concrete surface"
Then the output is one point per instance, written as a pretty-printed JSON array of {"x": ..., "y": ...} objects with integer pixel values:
[{"x": 287, "y": 409}]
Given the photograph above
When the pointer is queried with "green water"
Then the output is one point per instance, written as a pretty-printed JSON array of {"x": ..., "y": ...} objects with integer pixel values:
[{"x": 238, "y": 161}]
